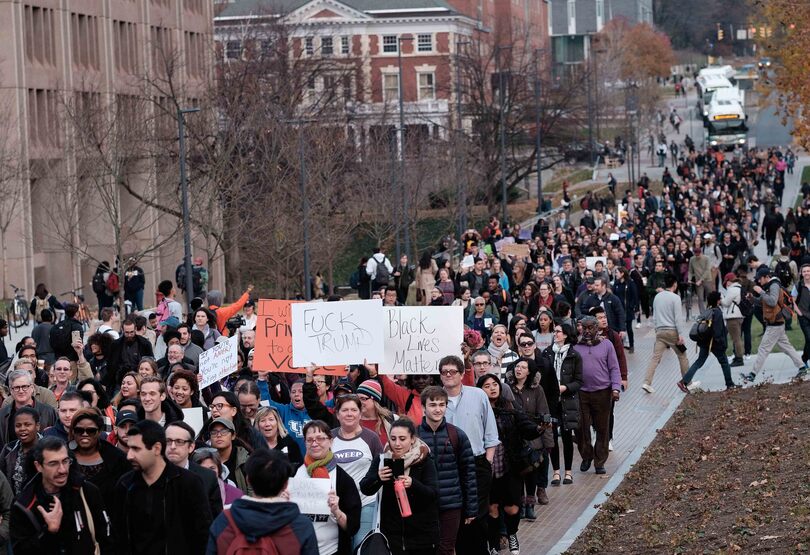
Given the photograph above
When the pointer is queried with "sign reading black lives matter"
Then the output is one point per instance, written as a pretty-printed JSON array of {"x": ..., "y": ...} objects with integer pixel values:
[{"x": 417, "y": 337}]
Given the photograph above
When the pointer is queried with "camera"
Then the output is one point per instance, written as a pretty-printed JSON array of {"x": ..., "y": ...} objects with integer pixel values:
[{"x": 234, "y": 324}]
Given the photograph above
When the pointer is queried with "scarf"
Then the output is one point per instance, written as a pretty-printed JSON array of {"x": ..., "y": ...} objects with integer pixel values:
[
  {"x": 418, "y": 452},
  {"x": 498, "y": 352},
  {"x": 560, "y": 352},
  {"x": 319, "y": 468}
]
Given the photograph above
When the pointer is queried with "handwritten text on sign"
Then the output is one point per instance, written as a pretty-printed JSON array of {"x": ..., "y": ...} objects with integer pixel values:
[
  {"x": 346, "y": 332},
  {"x": 273, "y": 351},
  {"x": 219, "y": 361},
  {"x": 417, "y": 337},
  {"x": 310, "y": 494}
]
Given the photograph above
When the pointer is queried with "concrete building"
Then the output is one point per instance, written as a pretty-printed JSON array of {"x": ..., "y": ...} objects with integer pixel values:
[
  {"x": 91, "y": 52},
  {"x": 572, "y": 23}
]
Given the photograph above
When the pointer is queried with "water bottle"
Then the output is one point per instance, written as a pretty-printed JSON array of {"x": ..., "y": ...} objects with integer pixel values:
[{"x": 402, "y": 499}]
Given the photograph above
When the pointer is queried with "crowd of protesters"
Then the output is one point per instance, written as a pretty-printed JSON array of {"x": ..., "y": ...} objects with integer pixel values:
[{"x": 97, "y": 455}]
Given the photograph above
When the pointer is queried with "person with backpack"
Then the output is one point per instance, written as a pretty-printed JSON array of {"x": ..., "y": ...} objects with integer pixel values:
[
  {"x": 134, "y": 282},
  {"x": 737, "y": 307},
  {"x": 784, "y": 268},
  {"x": 99, "y": 284},
  {"x": 61, "y": 334},
  {"x": 777, "y": 305},
  {"x": 711, "y": 339},
  {"x": 379, "y": 269},
  {"x": 267, "y": 522},
  {"x": 42, "y": 300}
]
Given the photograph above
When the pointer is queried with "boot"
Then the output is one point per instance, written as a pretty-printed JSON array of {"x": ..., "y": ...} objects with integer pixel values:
[
  {"x": 542, "y": 498},
  {"x": 738, "y": 361},
  {"x": 529, "y": 511},
  {"x": 522, "y": 513}
]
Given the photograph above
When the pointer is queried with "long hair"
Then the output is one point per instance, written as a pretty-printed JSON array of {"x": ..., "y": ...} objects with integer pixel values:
[
  {"x": 240, "y": 423},
  {"x": 118, "y": 397},
  {"x": 267, "y": 411},
  {"x": 501, "y": 402}
]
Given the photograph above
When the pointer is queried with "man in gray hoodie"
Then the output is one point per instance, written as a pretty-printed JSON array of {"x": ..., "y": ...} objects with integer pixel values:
[{"x": 666, "y": 313}]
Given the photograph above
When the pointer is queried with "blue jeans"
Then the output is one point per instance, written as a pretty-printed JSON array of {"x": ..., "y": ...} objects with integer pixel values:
[
  {"x": 701, "y": 360},
  {"x": 366, "y": 523}
]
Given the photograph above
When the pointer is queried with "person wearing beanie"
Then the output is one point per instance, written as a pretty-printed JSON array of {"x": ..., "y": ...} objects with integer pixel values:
[
  {"x": 373, "y": 415},
  {"x": 730, "y": 303}
]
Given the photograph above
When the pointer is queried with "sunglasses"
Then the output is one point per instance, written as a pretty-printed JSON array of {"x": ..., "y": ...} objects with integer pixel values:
[
  {"x": 79, "y": 431},
  {"x": 526, "y": 343}
]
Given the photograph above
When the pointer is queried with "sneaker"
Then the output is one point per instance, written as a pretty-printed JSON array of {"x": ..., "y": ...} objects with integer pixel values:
[
  {"x": 610, "y": 445},
  {"x": 585, "y": 465},
  {"x": 638, "y": 325},
  {"x": 648, "y": 388},
  {"x": 737, "y": 362},
  {"x": 747, "y": 357},
  {"x": 601, "y": 470},
  {"x": 733, "y": 386},
  {"x": 493, "y": 551},
  {"x": 749, "y": 377},
  {"x": 693, "y": 386},
  {"x": 514, "y": 545},
  {"x": 802, "y": 373}
]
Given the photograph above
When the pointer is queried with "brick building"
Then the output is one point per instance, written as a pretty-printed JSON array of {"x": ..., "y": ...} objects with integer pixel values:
[{"x": 54, "y": 53}]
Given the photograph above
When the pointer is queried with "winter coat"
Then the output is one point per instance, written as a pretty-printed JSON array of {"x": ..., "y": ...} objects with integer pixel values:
[
  {"x": 532, "y": 400},
  {"x": 186, "y": 512},
  {"x": 115, "y": 466},
  {"x": 614, "y": 309},
  {"x": 514, "y": 427},
  {"x": 420, "y": 530},
  {"x": 258, "y": 518},
  {"x": 47, "y": 418},
  {"x": 30, "y": 536},
  {"x": 718, "y": 341},
  {"x": 457, "y": 484},
  {"x": 731, "y": 302},
  {"x": 627, "y": 292},
  {"x": 567, "y": 408},
  {"x": 115, "y": 367},
  {"x": 6, "y": 501}
]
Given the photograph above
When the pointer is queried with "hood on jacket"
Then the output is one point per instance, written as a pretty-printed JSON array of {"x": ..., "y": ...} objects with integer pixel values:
[
  {"x": 533, "y": 381},
  {"x": 257, "y": 518}
]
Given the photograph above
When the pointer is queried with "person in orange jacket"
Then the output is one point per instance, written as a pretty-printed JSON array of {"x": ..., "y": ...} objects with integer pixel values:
[{"x": 225, "y": 313}]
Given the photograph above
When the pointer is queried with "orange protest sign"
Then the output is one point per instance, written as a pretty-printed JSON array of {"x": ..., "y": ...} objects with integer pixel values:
[{"x": 273, "y": 349}]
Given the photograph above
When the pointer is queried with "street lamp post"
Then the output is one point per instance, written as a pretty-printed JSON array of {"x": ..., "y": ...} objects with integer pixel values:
[
  {"x": 538, "y": 131},
  {"x": 502, "y": 130},
  {"x": 181, "y": 124},
  {"x": 462, "y": 185},
  {"x": 402, "y": 183},
  {"x": 590, "y": 106},
  {"x": 302, "y": 181}
]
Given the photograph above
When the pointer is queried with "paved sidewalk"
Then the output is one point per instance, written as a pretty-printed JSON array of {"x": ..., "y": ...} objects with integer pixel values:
[{"x": 638, "y": 416}]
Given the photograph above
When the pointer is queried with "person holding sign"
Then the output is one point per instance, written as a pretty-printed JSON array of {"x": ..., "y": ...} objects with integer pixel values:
[
  {"x": 406, "y": 464},
  {"x": 335, "y": 529}
]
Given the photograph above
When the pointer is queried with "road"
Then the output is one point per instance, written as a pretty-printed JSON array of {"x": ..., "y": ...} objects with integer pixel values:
[{"x": 768, "y": 129}]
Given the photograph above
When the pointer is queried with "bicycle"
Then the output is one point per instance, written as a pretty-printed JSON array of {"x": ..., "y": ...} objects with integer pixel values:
[{"x": 18, "y": 308}]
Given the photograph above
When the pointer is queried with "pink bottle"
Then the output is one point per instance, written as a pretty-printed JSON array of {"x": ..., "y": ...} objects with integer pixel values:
[{"x": 402, "y": 499}]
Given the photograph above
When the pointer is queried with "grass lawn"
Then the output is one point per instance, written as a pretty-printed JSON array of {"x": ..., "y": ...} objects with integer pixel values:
[
  {"x": 795, "y": 335},
  {"x": 805, "y": 179}
]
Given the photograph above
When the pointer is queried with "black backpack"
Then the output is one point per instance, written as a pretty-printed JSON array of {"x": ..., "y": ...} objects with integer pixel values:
[
  {"x": 782, "y": 271},
  {"x": 196, "y": 280},
  {"x": 61, "y": 337},
  {"x": 381, "y": 274},
  {"x": 99, "y": 285},
  {"x": 701, "y": 331}
]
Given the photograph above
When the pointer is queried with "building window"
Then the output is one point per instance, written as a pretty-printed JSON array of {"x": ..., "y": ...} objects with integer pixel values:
[
  {"x": 347, "y": 88},
  {"x": 125, "y": 45},
  {"x": 344, "y": 45},
  {"x": 38, "y": 33},
  {"x": 309, "y": 48},
  {"x": 326, "y": 46},
  {"x": 425, "y": 42},
  {"x": 390, "y": 87},
  {"x": 390, "y": 44},
  {"x": 600, "y": 9},
  {"x": 84, "y": 35},
  {"x": 427, "y": 86},
  {"x": 233, "y": 50},
  {"x": 572, "y": 17}
]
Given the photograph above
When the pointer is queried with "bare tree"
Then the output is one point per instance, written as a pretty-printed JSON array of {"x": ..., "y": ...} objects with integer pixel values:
[{"x": 11, "y": 176}]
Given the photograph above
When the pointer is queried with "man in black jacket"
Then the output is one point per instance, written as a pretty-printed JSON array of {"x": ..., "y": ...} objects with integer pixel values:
[
  {"x": 455, "y": 466},
  {"x": 61, "y": 335},
  {"x": 126, "y": 353},
  {"x": 58, "y": 511},
  {"x": 159, "y": 507},
  {"x": 610, "y": 302},
  {"x": 179, "y": 447}
]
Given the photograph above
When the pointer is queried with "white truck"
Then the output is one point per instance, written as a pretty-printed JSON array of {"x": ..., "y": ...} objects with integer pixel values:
[{"x": 726, "y": 121}]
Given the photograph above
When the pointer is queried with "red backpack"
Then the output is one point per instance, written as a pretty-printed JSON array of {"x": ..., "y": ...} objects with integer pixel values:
[{"x": 233, "y": 542}]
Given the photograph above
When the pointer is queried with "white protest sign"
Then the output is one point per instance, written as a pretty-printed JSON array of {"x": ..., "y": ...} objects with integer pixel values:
[
  {"x": 417, "y": 337},
  {"x": 310, "y": 494},
  {"x": 194, "y": 418},
  {"x": 219, "y": 361},
  {"x": 346, "y": 332},
  {"x": 499, "y": 245},
  {"x": 590, "y": 261}
]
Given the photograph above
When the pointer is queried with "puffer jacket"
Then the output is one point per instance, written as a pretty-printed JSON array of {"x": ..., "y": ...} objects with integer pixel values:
[
  {"x": 514, "y": 427},
  {"x": 532, "y": 399},
  {"x": 458, "y": 488},
  {"x": 567, "y": 408},
  {"x": 731, "y": 302}
]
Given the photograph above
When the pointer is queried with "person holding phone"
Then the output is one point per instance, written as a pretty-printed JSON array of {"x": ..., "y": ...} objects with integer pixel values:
[{"x": 406, "y": 460}]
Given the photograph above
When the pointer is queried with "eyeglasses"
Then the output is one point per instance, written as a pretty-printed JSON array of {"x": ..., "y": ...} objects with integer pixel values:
[
  {"x": 479, "y": 304},
  {"x": 222, "y": 432},
  {"x": 220, "y": 406},
  {"x": 449, "y": 372},
  {"x": 480, "y": 363},
  {"x": 80, "y": 431},
  {"x": 316, "y": 439},
  {"x": 558, "y": 331},
  {"x": 179, "y": 442},
  {"x": 20, "y": 388},
  {"x": 526, "y": 343}
]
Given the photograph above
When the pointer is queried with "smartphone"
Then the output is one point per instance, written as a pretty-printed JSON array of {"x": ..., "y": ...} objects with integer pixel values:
[
  {"x": 397, "y": 466},
  {"x": 681, "y": 348},
  {"x": 77, "y": 336}
]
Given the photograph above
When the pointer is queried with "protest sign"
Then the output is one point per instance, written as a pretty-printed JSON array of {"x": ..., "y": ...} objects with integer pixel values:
[
  {"x": 518, "y": 250},
  {"x": 310, "y": 494},
  {"x": 219, "y": 361},
  {"x": 499, "y": 245},
  {"x": 273, "y": 349},
  {"x": 417, "y": 337},
  {"x": 347, "y": 332},
  {"x": 194, "y": 418},
  {"x": 590, "y": 261}
]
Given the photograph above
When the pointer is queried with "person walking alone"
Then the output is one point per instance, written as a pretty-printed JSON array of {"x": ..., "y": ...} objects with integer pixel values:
[{"x": 666, "y": 313}]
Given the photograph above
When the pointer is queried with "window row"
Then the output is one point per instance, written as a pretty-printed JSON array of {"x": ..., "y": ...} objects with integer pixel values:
[
  {"x": 38, "y": 35},
  {"x": 390, "y": 43},
  {"x": 42, "y": 107},
  {"x": 426, "y": 86}
]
